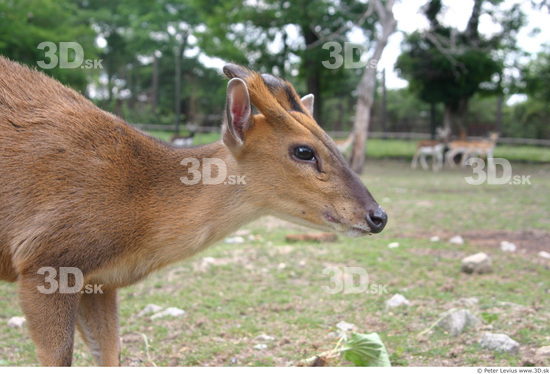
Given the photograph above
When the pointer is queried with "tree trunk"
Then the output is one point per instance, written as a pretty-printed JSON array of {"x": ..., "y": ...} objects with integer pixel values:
[
  {"x": 454, "y": 120},
  {"x": 471, "y": 33},
  {"x": 179, "y": 56},
  {"x": 499, "y": 114},
  {"x": 384, "y": 103},
  {"x": 313, "y": 72},
  {"x": 284, "y": 56},
  {"x": 340, "y": 119},
  {"x": 461, "y": 114},
  {"x": 365, "y": 89},
  {"x": 432, "y": 120},
  {"x": 155, "y": 88},
  {"x": 448, "y": 122},
  {"x": 110, "y": 87},
  {"x": 192, "y": 102}
]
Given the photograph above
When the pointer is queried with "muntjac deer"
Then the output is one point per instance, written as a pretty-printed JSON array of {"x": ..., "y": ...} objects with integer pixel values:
[{"x": 81, "y": 188}]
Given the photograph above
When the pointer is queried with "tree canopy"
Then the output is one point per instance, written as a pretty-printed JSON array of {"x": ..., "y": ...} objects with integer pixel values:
[{"x": 446, "y": 65}]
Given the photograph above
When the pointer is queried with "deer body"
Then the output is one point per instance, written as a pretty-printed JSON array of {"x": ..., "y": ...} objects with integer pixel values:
[
  {"x": 81, "y": 188},
  {"x": 433, "y": 148},
  {"x": 115, "y": 203},
  {"x": 471, "y": 148}
]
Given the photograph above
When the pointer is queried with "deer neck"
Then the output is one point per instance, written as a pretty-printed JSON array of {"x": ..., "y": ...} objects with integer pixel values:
[{"x": 190, "y": 217}]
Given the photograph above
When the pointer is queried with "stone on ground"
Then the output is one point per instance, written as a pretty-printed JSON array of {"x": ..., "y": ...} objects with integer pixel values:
[
  {"x": 396, "y": 301},
  {"x": 149, "y": 309},
  {"x": 235, "y": 240},
  {"x": 457, "y": 321},
  {"x": 345, "y": 326},
  {"x": 168, "y": 312},
  {"x": 265, "y": 337},
  {"x": 456, "y": 240},
  {"x": 17, "y": 322},
  {"x": 500, "y": 343},
  {"x": 507, "y": 246},
  {"x": 479, "y": 263},
  {"x": 544, "y": 351},
  {"x": 469, "y": 301}
]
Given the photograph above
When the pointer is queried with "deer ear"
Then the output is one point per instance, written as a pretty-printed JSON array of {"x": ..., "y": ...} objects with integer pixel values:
[
  {"x": 308, "y": 102},
  {"x": 237, "y": 112}
]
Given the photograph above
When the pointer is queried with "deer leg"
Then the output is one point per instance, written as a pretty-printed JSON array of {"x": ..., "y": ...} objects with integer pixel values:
[
  {"x": 450, "y": 158},
  {"x": 438, "y": 161},
  {"x": 97, "y": 322},
  {"x": 490, "y": 162},
  {"x": 50, "y": 320},
  {"x": 465, "y": 157},
  {"x": 423, "y": 162},
  {"x": 415, "y": 160}
]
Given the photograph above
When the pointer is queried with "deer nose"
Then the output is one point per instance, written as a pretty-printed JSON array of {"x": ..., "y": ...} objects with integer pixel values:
[{"x": 377, "y": 220}]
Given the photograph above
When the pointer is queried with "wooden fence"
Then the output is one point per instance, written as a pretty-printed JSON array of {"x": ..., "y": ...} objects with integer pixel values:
[{"x": 342, "y": 134}]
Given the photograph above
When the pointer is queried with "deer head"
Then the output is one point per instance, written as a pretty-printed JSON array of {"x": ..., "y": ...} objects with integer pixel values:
[{"x": 293, "y": 166}]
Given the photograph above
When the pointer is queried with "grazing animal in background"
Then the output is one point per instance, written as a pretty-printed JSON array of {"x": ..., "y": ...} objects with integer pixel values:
[
  {"x": 182, "y": 141},
  {"x": 482, "y": 148},
  {"x": 81, "y": 189},
  {"x": 433, "y": 148}
]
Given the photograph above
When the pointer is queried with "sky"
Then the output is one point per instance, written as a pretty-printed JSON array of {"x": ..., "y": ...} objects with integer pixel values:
[{"x": 457, "y": 13}]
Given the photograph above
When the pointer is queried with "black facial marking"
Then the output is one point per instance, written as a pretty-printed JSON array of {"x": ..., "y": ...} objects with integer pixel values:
[
  {"x": 272, "y": 82},
  {"x": 274, "y": 85},
  {"x": 295, "y": 106},
  {"x": 235, "y": 71}
]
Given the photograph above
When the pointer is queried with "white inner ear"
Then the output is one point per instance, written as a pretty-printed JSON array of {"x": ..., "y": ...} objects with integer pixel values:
[{"x": 308, "y": 102}]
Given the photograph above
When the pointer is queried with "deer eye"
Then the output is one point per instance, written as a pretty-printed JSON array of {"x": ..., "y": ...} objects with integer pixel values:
[{"x": 304, "y": 153}]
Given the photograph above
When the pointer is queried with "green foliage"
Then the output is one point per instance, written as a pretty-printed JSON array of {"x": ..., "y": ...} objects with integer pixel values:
[
  {"x": 436, "y": 76},
  {"x": 280, "y": 37},
  {"x": 445, "y": 65},
  {"x": 366, "y": 350},
  {"x": 25, "y": 24},
  {"x": 359, "y": 349},
  {"x": 528, "y": 119},
  {"x": 261, "y": 35},
  {"x": 537, "y": 76},
  {"x": 489, "y": 318},
  {"x": 406, "y": 112}
]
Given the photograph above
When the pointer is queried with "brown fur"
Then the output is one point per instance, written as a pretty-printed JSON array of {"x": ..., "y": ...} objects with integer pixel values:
[
  {"x": 467, "y": 148},
  {"x": 81, "y": 188},
  {"x": 427, "y": 143}
]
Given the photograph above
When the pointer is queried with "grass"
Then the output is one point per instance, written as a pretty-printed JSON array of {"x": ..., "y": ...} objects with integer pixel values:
[
  {"x": 269, "y": 286},
  {"x": 405, "y": 149}
]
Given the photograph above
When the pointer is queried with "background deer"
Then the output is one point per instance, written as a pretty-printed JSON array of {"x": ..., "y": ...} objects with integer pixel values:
[
  {"x": 483, "y": 148},
  {"x": 81, "y": 188},
  {"x": 433, "y": 148},
  {"x": 182, "y": 141}
]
